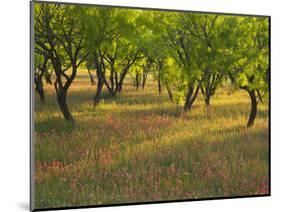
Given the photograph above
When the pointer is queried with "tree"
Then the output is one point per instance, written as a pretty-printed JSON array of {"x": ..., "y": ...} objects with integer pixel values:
[
  {"x": 181, "y": 41},
  {"x": 90, "y": 67},
  {"x": 59, "y": 35},
  {"x": 125, "y": 49},
  {"x": 250, "y": 68},
  {"x": 146, "y": 69},
  {"x": 185, "y": 53},
  {"x": 141, "y": 69},
  {"x": 108, "y": 36},
  {"x": 207, "y": 40},
  {"x": 136, "y": 73},
  {"x": 156, "y": 49},
  {"x": 41, "y": 70}
]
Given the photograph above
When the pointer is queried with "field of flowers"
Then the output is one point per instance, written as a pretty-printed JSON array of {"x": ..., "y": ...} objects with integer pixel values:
[{"x": 140, "y": 147}]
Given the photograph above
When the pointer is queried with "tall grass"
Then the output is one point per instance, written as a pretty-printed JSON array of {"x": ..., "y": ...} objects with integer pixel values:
[{"x": 139, "y": 146}]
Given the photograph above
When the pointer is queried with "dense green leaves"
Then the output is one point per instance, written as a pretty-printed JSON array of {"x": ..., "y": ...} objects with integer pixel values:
[{"x": 185, "y": 52}]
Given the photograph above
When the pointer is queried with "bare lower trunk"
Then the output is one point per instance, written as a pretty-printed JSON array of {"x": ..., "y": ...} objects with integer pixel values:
[
  {"x": 92, "y": 80},
  {"x": 111, "y": 79},
  {"x": 170, "y": 93},
  {"x": 207, "y": 100},
  {"x": 39, "y": 89},
  {"x": 144, "y": 76},
  {"x": 159, "y": 86},
  {"x": 49, "y": 79},
  {"x": 98, "y": 92},
  {"x": 253, "y": 112},
  {"x": 61, "y": 98},
  {"x": 259, "y": 95},
  {"x": 137, "y": 81},
  {"x": 120, "y": 87},
  {"x": 190, "y": 97},
  {"x": 207, "y": 95},
  {"x": 111, "y": 93}
]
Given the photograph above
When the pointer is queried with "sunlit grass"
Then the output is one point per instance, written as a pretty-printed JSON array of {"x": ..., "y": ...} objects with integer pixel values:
[{"x": 139, "y": 146}]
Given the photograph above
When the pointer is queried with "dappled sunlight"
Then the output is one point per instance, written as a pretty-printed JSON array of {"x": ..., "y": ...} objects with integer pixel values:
[
  {"x": 149, "y": 148},
  {"x": 132, "y": 109}
]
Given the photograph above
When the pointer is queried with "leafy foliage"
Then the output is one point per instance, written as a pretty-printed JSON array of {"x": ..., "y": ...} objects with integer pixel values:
[{"x": 185, "y": 53}]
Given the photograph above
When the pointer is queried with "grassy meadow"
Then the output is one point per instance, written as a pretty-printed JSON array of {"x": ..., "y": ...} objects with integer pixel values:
[{"x": 140, "y": 147}]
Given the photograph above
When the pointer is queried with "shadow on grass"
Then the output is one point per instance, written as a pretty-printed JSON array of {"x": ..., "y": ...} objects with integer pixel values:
[
  {"x": 232, "y": 143},
  {"x": 135, "y": 99},
  {"x": 55, "y": 124},
  {"x": 161, "y": 106},
  {"x": 232, "y": 111}
]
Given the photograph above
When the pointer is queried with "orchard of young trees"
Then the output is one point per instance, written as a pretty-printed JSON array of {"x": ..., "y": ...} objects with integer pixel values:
[{"x": 188, "y": 54}]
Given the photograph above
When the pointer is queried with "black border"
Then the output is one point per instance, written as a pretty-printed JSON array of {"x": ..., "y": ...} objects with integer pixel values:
[{"x": 31, "y": 157}]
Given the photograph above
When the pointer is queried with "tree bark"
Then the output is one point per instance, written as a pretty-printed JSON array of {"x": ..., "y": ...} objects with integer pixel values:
[
  {"x": 253, "y": 112},
  {"x": 170, "y": 93},
  {"x": 40, "y": 72},
  {"x": 111, "y": 78},
  {"x": 195, "y": 95},
  {"x": 119, "y": 86},
  {"x": 116, "y": 79},
  {"x": 254, "y": 102},
  {"x": 144, "y": 76},
  {"x": 137, "y": 80},
  {"x": 124, "y": 72},
  {"x": 187, "y": 104},
  {"x": 159, "y": 85},
  {"x": 207, "y": 99},
  {"x": 259, "y": 95},
  {"x": 61, "y": 98},
  {"x": 48, "y": 78},
  {"x": 92, "y": 80},
  {"x": 98, "y": 93},
  {"x": 100, "y": 76},
  {"x": 190, "y": 97},
  {"x": 39, "y": 88}
]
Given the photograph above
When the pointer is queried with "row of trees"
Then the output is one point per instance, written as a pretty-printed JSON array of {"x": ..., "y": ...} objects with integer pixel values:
[{"x": 186, "y": 53}]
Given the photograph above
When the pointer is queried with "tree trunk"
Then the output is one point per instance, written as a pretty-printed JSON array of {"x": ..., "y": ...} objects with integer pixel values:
[
  {"x": 111, "y": 78},
  {"x": 190, "y": 97},
  {"x": 98, "y": 92},
  {"x": 48, "y": 78},
  {"x": 120, "y": 87},
  {"x": 170, "y": 93},
  {"x": 206, "y": 94},
  {"x": 61, "y": 98},
  {"x": 253, "y": 112},
  {"x": 100, "y": 76},
  {"x": 143, "y": 81},
  {"x": 159, "y": 85},
  {"x": 110, "y": 85},
  {"x": 195, "y": 95},
  {"x": 137, "y": 81},
  {"x": 259, "y": 95},
  {"x": 92, "y": 80},
  {"x": 39, "y": 88},
  {"x": 116, "y": 78},
  {"x": 207, "y": 99},
  {"x": 111, "y": 92},
  {"x": 187, "y": 104}
]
